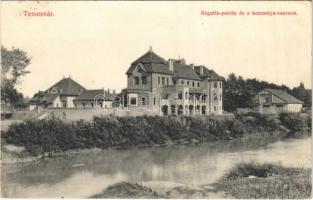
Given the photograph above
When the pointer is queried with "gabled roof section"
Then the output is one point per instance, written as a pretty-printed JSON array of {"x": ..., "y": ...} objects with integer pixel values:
[
  {"x": 91, "y": 95},
  {"x": 66, "y": 86},
  {"x": 185, "y": 72},
  {"x": 284, "y": 96},
  {"x": 152, "y": 63}
]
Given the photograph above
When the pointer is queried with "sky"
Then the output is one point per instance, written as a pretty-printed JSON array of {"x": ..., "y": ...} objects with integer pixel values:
[{"x": 95, "y": 42}]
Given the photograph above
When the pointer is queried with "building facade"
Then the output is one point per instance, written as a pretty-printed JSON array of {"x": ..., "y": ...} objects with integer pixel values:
[
  {"x": 94, "y": 99},
  {"x": 270, "y": 101},
  {"x": 172, "y": 87},
  {"x": 59, "y": 95}
]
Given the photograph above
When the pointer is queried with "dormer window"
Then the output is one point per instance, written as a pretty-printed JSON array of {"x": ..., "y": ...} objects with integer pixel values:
[
  {"x": 54, "y": 90},
  {"x": 140, "y": 68}
]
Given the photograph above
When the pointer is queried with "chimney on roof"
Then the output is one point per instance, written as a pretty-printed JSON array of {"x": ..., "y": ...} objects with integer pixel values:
[
  {"x": 192, "y": 66},
  {"x": 171, "y": 64},
  {"x": 108, "y": 90},
  {"x": 201, "y": 70},
  {"x": 150, "y": 48},
  {"x": 113, "y": 91}
]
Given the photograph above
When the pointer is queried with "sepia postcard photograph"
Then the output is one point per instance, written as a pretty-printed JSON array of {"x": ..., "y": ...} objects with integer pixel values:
[{"x": 156, "y": 100}]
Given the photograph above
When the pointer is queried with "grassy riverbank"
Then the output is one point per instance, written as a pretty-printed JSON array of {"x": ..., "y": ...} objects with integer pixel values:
[
  {"x": 266, "y": 181},
  {"x": 245, "y": 181},
  {"x": 45, "y": 137}
]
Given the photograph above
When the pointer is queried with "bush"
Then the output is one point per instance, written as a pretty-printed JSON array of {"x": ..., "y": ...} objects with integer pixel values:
[
  {"x": 54, "y": 135},
  {"x": 292, "y": 121}
]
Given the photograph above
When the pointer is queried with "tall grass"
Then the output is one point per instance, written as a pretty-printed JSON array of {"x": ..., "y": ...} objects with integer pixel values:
[{"x": 266, "y": 181}]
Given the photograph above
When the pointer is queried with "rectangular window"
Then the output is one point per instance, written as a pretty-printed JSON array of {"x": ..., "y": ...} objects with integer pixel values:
[
  {"x": 163, "y": 80},
  {"x": 133, "y": 101},
  {"x": 267, "y": 99},
  {"x": 187, "y": 82},
  {"x": 220, "y": 84},
  {"x": 167, "y": 81},
  {"x": 136, "y": 79},
  {"x": 182, "y": 82},
  {"x": 144, "y": 80},
  {"x": 193, "y": 84},
  {"x": 198, "y": 84},
  {"x": 154, "y": 100},
  {"x": 215, "y": 84},
  {"x": 159, "y": 81}
]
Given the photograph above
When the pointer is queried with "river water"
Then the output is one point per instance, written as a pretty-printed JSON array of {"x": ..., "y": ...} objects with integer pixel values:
[{"x": 88, "y": 173}]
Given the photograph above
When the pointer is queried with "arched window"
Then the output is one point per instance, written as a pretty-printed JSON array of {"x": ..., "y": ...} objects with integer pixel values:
[
  {"x": 186, "y": 95},
  {"x": 203, "y": 97},
  {"x": 180, "y": 95},
  {"x": 143, "y": 101}
]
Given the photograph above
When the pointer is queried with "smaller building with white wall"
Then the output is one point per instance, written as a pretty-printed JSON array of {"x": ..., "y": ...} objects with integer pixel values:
[
  {"x": 94, "y": 99},
  {"x": 271, "y": 101}
]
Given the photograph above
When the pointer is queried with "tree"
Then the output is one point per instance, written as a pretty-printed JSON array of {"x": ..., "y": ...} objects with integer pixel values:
[
  {"x": 13, "y": 67},
  {"x": 303, "y": 94}
]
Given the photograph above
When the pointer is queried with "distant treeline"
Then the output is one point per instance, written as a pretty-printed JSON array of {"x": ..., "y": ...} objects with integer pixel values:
[
  {"x": 43, "y": 137},
  {"x": 239, "y": 92}
]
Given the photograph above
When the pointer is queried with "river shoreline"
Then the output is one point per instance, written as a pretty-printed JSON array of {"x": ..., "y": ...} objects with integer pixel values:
[{"x": 18, "y": 155}]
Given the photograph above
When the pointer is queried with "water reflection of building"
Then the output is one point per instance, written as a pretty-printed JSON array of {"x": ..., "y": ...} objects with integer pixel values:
[{"x": 172, "y": 87}]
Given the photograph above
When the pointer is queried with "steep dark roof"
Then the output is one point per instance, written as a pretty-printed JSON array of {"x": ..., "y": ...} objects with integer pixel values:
[
  {"x": 152, "y": 68},
  {"x": 90, "y": 95},
  {"x": 284, "y": 96},
  {"x": 185, "y": 72},
  {"x": 44, "y": 98},
  {"x": 67, "y": 86},
  {"x": 150, "y": 57},
  {"x": 48, "y": 98},
  {"x": 207, "y": 73},
  {"x": 153, "y": 63}
]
